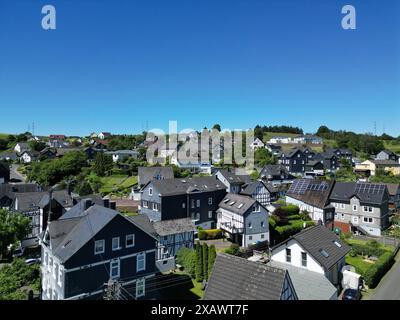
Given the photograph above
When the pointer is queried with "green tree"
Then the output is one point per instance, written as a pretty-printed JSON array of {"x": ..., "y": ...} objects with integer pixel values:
[
  {"x": 13, "y": 228},
  {"x": 103, "y": 163},
  {"x": 217, "y": 127},
  {"x": 212, "y": 255},
  {"x": 84, "y": 188},
  {"x": 37, "y": 145},
  {"x": 263, "y": 157},
  {"x": 199, "y": 263},
  {"x": 3, "y": 144},
  {"x": 205, "y": 261}
]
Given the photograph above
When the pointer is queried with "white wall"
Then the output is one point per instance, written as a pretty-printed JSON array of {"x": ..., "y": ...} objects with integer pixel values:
[{"x": 279, "y": 255}]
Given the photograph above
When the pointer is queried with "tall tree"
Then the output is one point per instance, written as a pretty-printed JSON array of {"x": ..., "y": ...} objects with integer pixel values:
[
  {"x": 205, "y": 261},
  {"x": 199, "y": 263},
  {"x": 103, "y": 163},
  {"x": 217, "y": 127},
  {"x": 212, "y": 255}
]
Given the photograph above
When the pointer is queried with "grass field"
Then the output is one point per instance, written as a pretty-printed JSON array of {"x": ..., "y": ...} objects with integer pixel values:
[
  {"x": 392, "y": 146},
  {"x": 117, "y": 182}
]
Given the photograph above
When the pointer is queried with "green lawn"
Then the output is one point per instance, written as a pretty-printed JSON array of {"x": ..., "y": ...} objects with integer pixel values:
[
  {"x": 351, "y": 241},
  {"x": 359, "y": 263},
  {"x": 117, "y": 182},
  {"x": 179, "y": 286},
  {"x": 392, "y": 146}
]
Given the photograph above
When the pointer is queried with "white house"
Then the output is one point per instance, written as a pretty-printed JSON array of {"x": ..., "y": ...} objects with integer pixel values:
[
  {"x": 316, "y": 249},
  {"x": 28, "y": 156},
  {"x": 21, "y": 147},
  {"x": 280, "y": 140},
  {"x": 257, "y": 144},
  {"x": 104, "y": 135}
]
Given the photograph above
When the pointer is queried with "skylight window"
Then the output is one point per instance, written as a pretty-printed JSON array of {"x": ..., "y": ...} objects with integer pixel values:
[
  {"x": 232, "y": 203},
  {"x": 226, "y": 200},
  {"x": 67, "y": 243},
  {"x": 337, "y": 244},
  {"x": 240, "y": 206},
  {"x": 324, "y": 253}
]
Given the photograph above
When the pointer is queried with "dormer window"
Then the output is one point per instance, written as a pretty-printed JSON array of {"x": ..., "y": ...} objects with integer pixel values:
[{"x": 150, "y": 191}]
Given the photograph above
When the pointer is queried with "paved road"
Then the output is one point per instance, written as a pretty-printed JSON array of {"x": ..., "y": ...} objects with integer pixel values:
[
  {"x": 389, "y": 288},
  {"x": 15, "y": 176}
]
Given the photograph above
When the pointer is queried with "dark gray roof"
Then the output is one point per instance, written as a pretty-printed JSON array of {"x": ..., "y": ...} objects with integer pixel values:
[
  {"x": 318, "y": 238},
  {"x": 187, "y": 185},
  {"x": 147, "y": 174},
  {"x": 61, "y": 196},
  {"x": 234, "y": 278},
  {"x": 144, "y": 223},
  {"x": 393, "y": 188},
  {"x": 390, "y": 163},
  {"x": 233, "y": 178},
  {"x": 311, "y": 191},
  {"x": 237, "y": 203},
  {"x": 10, "y": 190},
  {"x": 250, "y": 188},
  {"x": 170, "y": 227},
  {"x": 28, "y": 201},
  {"x": 389, "y": 153},
  {"x": 370, "y": 193},
  {"x": 274, "y": 170}
]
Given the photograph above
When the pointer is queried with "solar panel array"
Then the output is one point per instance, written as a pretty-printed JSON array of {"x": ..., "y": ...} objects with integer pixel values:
[
  {"x": 302, "y": 185},
  {"x": 370, "y": 188}
]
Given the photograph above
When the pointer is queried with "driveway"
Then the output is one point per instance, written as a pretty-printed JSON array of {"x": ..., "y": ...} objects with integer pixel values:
[
  {"x": 220, "y": 244},
  {"x": 389, "y": 288},
  {"x": 15, "y": 176}
]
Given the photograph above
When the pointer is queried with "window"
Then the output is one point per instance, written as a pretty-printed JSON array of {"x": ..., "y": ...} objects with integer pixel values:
[
  {"x": 99, "y": 247},
  {"x": 368, "y": 209},
  {"x": 256, "y": 208},
  {"x": 183, "y": 205},
  {"x": 60, "y": 274},
  {"x": 198, "y": 203},
  {"x": 50, "y": 266},
  {"x": 130, "y": 241},
  {"x": 355, "y": 219},
  {"x": 141, "y": 262},
  {"x": 289, "y": 255},
  {"x": 336, "y": 215},
  {"x": 150, "y": 191},
  {"x": 342, "y": 216},
  {"x": 210, "y": 201},
  {"x": 46, "y": 259},
  {"x": 250, "y": 238},
  {"x": 115, "y": 244},
  {"x": 342, "y": 206},
  {"x": 155, "y": 206},
  {"x": 192, "y": 203},
  {"x": 210, "y": 214},
  {"x": 304, "y": 259},
  {"x": 55, "y": 270},
  {"x": 140, "y": 288},
  {"x": 355, "y": 208},
  {"x": 250, "y": 225},
  {"x": 262, "y": 236},
  {"x": 262, "y": 224},
  {"x": 145, "y": 204},
  {"x": 294, "y": 162},
  {"x": 114, "y": 269},
  {"x": 368, "y": 220}
]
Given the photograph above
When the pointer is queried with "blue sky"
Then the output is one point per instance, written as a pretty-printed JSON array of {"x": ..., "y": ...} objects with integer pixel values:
[{"x": 114, "y": 65}]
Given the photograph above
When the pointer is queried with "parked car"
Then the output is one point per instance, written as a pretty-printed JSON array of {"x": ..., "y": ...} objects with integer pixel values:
[
  {"x": 18, "y": 252},
  {"x": 351, "y": 294}
]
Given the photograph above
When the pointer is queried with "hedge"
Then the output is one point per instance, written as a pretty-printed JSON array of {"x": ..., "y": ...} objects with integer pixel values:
[
  {"x": 187, "y": 258},
  {"x": 364, "y": 250},
  {"x": 375, "y": 273},
  {"x": 210, "y": 234}
]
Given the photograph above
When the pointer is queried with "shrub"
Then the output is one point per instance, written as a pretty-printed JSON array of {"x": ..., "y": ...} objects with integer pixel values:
[
  {"x": 375, "y": 273},
  {"x": 205, "y": 260},
  {"x": 212, "y": 255},
  {"x": 210, "y": 234},
  {"x": 187, "y": 258},
  {"x": 199, "y": 263},
  {"x": 365, "y": 250},
  {"x": 234, "y": 249}
]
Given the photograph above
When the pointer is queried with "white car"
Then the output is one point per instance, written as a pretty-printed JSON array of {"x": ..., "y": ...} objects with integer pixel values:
[{"x": 33, "y": 261}]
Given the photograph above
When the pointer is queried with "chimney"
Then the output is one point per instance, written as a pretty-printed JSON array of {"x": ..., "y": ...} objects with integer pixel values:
[
  {"x": 87, "y": 203},
  {"x": 113, "y": 205},
  {"x": 106, "y": 203}
]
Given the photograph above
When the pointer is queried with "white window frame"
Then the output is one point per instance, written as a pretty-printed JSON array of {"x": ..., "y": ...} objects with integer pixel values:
[
  {"x": 355, "y": 219},
  {"x": 210, "y": 201},
  {"x": 198, "y": 203},
  {"x": 304, "y": 260},
  {"x": 126, "y": 240},
  {"x": 210, "y": 214},
  {"x": 145, "y": 204},
  {"x": 141, "y": 257},
  {"x": 342, "y": 206},
  {"x": 155, "y": 206},
  {"x": 60, "y": 275},
  {"x": 55, "y": 270},
  {"x": 150, "y": 191},
  {"x": 141, "y": 283},
  {"x": 368, "y": 218},
  {"x": 112, "y": 262},
  {"x": 183, "y": 205},
  {"x": 355, "y": 207},
  {"x": 119, "y": 244},
  {"x": 95, "y": 246}
]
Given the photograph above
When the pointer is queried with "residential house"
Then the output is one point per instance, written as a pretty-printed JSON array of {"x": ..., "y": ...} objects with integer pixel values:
[
  {"x": 48, "y": 153},
  {"x": 104, "y": 135},
  {"x": 90, "y": 245},
  {"x": 371, "y": 166},
  {"x": 91, "y": 152},
  {"x": 309, "y": 285},
  {"x": 313, "y": 196},
  {"x": 8, "y": 192},
  {"x": 119, "y": 155},
  {"x": 8, "y": 156},
  {"x": 276, "y": 174},
  {"x": 314, "y": 168},
  {"x": 147, "y": 174},
  {"x": 232, "y": 181},
  {"x": 172, "y": 235},
  {"x": 308, "y": 139},
  {"x": 29, "y": 156},
  {"x": 243, "y": 219},
  {"x": 4, "y": 172},
  {"x": 169, "y": 199},
  {"x": 387, "y": 155},
  {"x": 361, "y": 207},
  {"x": 316, "y": 249},
  {"x": 21, "y": 147},
  {"x": 274, "y": 149},
  {"x": 264, "y": 193},
  {"x": 328, "y": 159},
  {"x": 58, "y": 143},
  {"x": 343, "y": 153},
  {"x": 237, "y": 279},
  {"x": 394, "y": 196},
  {"x": 294, "y": 161},
  {"x": 57, "y": 137},
  {"x": 257, "y": 144},
  {"x": 280, "y": 140}
]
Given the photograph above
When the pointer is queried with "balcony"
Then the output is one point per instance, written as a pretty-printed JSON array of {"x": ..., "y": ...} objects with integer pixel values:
[{"x": 227, "y": 226}]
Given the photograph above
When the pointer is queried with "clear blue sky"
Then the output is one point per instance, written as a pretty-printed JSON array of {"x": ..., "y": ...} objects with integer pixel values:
[{"x": 113, "y": 65}]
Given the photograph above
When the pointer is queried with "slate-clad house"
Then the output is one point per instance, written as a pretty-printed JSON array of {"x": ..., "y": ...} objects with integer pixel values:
[
  {"x": 4, "y": 172},
  {"x": 328, "y": 159},
  {"x": 294, "y": 161},
  {"x": 21, "y": 147},
  {"x": 243, "y": 219},
  {"x": 343, "y": 153},
  {"x": 313, "y": 196},
  {"x": 361, "y": 207},
  {"x": 8, "y": 192},
  {"x": 276, "y": 174},
  {"x": 29, "y": 156},
  {"x": 264, "y": 193},
  {"x": 196, "y": 198},
  {"x": 314, "y": 168},
  {"x": 90, "y": 245},
  {"x": 233, "y": 182},
  {"x": 234, "y": 278},
  {"x": 147, "y": 174},
  {"x": 316, "y": 249},
  {"x": 387, "y": 155},
  {"x": 394, "y": 196}
]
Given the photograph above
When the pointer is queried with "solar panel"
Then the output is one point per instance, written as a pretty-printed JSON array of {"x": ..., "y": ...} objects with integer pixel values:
[
  {"x": 299, "y": 186},
  {"x": 370, "y": 188}
]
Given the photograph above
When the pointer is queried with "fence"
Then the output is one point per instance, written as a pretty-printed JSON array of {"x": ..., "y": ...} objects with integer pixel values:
[{"x": 383, "y": 240}]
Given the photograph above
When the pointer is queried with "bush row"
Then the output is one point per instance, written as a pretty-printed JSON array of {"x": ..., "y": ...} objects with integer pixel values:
[
  {"x": 210, "y": 234},
  {"x": 365, "y": 250},
  {"x": 375, "y": 273}
]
